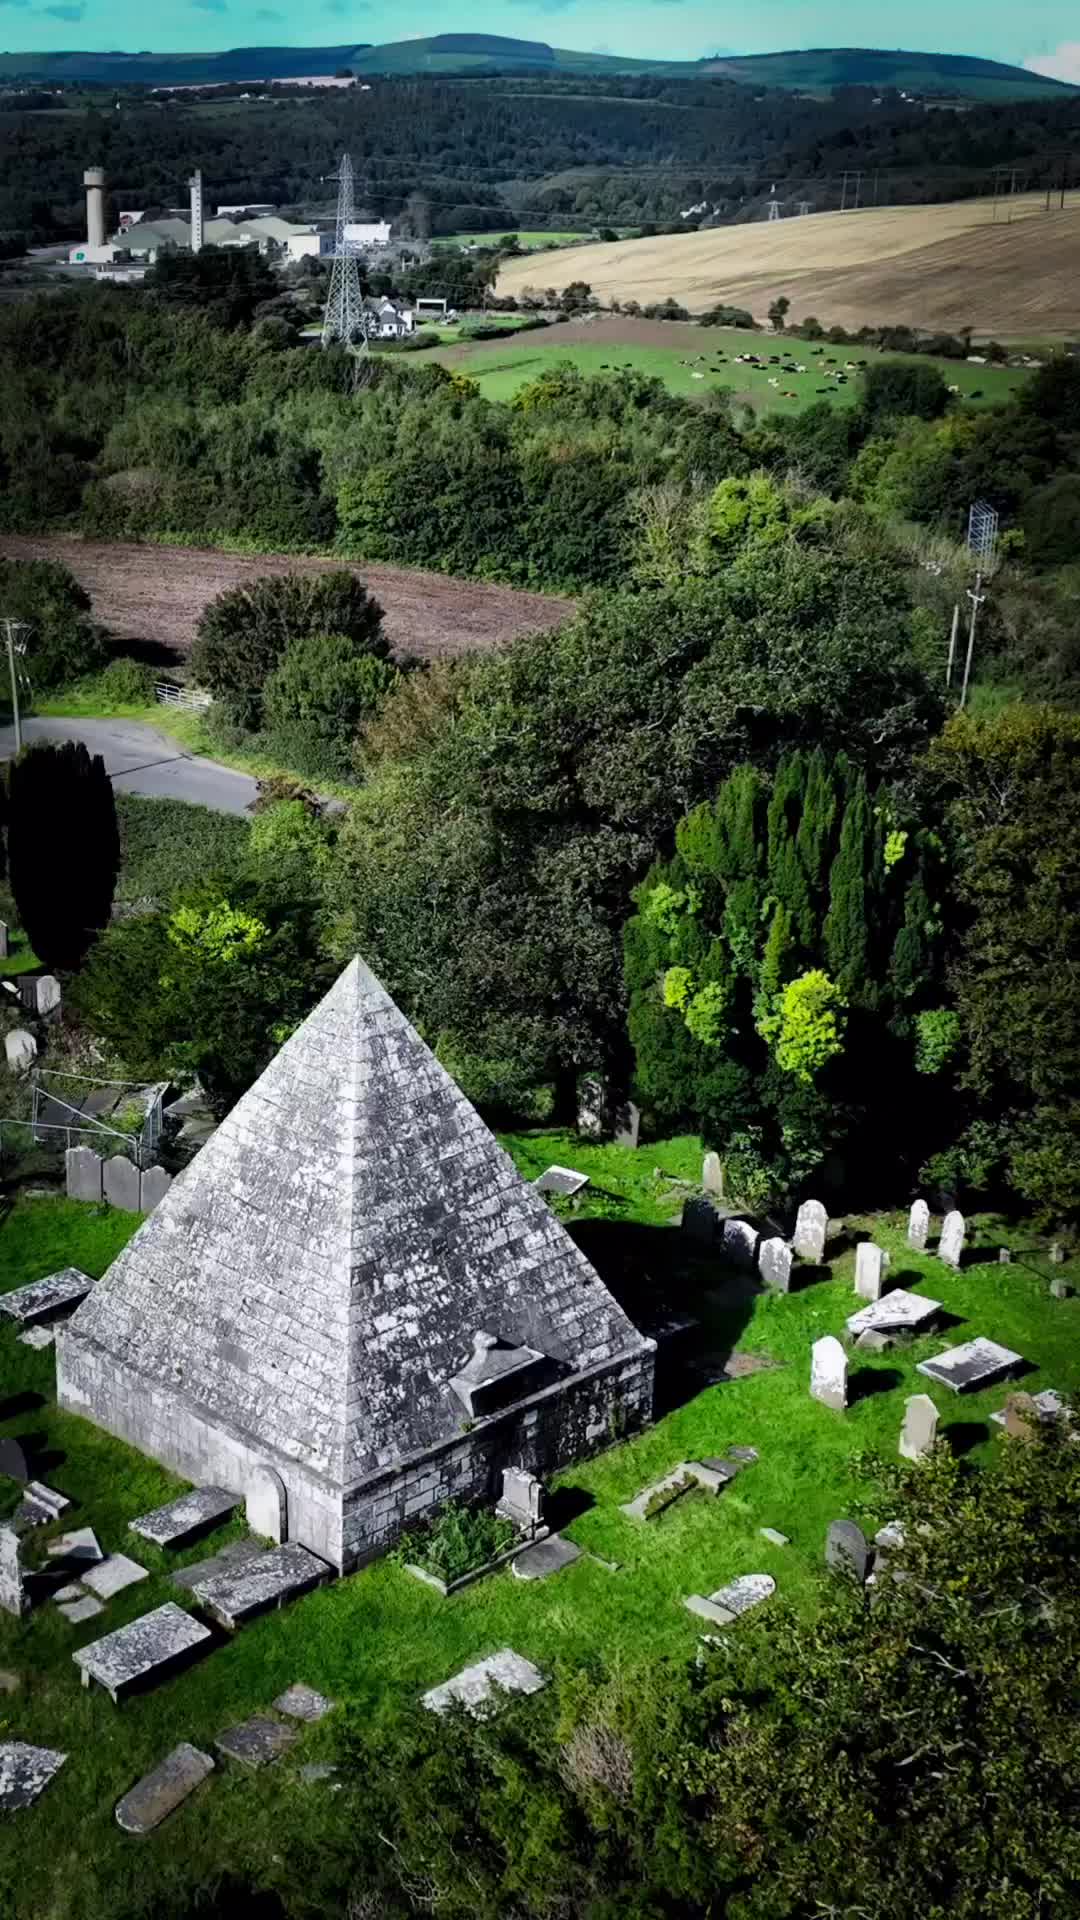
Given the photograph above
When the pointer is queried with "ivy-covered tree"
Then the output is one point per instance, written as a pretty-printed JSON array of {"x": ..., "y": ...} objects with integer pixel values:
[{"x": 63, "y": 848}]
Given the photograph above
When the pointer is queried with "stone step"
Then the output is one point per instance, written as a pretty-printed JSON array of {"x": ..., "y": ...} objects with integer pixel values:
[{"x": 275, "y": 1578}]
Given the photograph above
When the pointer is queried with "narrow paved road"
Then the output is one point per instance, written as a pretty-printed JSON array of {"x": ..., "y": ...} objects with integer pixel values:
[{"x": 140, "y": 760}]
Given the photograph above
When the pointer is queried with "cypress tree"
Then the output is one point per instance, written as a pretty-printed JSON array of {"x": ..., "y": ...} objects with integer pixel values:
[
  {"x": 63, "y": 849},
  {"x": 785, "y": 808},
  {"x": 775, "y": 963},
  {"x": 814, "y": 839},
  {"x": 790, "y": 888},
  {"x": 846, "y": 933},
  {"x": 911, "y": 966}
]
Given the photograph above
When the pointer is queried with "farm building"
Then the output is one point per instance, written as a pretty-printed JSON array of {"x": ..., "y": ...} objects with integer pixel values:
[{"x": 351, "y": 1293}]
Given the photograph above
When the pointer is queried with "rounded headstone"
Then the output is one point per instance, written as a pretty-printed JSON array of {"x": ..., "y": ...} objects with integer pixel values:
[
  {"x": 871, "y": 1267},
  {"x": 846, "y": 1550},
  {"x": 919, "y": 1431},
  {"x": 918, "y": 1225},
  {"x": 712, "y": 1175},
  {"x": 774, "y": 1264},
  {"x": 951, "y": 1244},
  {"x": 20, "y": 1049},
  {"x": 121, "y": 1183},
  {"x": 153, "y": 1187},
  {"x": 266, "y": 1504},
  {"x": 811, "y": 1228},
  {"x": 828, "y": 1372}
]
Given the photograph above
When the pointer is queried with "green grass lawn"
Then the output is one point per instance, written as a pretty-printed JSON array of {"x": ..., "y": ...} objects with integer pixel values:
[
  {"x": 501, "y": 370},
  {"x": 373, "y": 1641},
  {"x": 530, "y": 241},
  {"x": 20, "y": 956}
]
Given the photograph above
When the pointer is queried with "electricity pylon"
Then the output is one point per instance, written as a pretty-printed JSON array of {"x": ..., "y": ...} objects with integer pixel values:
[{"x": 343, "y": 320}]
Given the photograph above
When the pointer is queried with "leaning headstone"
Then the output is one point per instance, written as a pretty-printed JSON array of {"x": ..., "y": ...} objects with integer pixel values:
[
  {"x": 183, "y": 1520},
  {"x": 13, "y": 1597},
  {"x": 774, "y": 1264},
  {"x": 25, "y": 1772},
  {"x": 951, "y": 1244},
  {"x": 828, "y": 1373},
  {"x": 627, "y": 1125},
  {"x": 477, "y": 1688},
  {"x": 120, "y": 1182},
  {"x": 918, "y": 1226},
  {"x": 159, "y": 1793},
  {"x": 846, "y": 1550},
  {"x": 40, "y": 1506},
  {"x": 811, "y": 1228},
  {"x": 13, "y": 1460},
  {"x": 871, "y": 1267},
  {"x": 712, "y": 1175},
  {"x": 919, "y": 1431},
  {"x": 740, "y": 1242},
  {"x": 20, "y": 1049},
  {"x": 147, "y": 1650},
  {"x": 266, "y": 1504},
  {"x": 896, "y": 1312},
  {"x": 564, "y": 1182},
  {"x": 775, "y": 1537},
  {"x": 80, "y": 1547},
  {"x": 256, "y": 1742},
  {"x": 153, "y": 1186},
  {"x": 83, "y": 1171},
  {"x": 699, "y": 1219}
]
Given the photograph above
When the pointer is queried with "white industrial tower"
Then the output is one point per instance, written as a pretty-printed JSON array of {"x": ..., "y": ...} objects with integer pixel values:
[
  {"x": 195, "y": 183},
  {"x": 94, "y": 182},
  {"x": 344, "y": 318},
  {"x": 774, "y": 205}
]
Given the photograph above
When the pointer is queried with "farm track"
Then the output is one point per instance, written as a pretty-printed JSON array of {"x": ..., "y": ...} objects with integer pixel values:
[{"x": 155, "y": 594}]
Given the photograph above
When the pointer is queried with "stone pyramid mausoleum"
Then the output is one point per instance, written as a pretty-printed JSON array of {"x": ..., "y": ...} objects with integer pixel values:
[{"x": 352, "y": 1296}]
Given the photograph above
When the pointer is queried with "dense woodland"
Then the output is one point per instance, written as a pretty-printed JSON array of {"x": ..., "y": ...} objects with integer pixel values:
[{"x": 536, "y": 150}]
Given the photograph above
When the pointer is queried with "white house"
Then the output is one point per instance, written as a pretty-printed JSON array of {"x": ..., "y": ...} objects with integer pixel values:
[
  {"x": 368, "y": 233},
  {"x": 386, "y": 320}
]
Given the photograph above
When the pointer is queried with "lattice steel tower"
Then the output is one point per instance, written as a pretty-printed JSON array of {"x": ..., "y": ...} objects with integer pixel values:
[{"x": 343, "y": 320}]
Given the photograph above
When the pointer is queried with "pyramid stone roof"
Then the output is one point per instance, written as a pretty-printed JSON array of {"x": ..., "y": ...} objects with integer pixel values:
[{"x": 319, "y": 1274}]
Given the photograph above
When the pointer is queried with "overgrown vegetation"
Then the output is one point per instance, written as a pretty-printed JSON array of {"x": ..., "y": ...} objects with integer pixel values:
[{"x": 456, "y": 1540}]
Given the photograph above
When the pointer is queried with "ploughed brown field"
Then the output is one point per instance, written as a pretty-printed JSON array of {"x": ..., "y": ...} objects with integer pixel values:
[
  {"x": 156, "y": 594},
  {"x": 935, "y": 267}
]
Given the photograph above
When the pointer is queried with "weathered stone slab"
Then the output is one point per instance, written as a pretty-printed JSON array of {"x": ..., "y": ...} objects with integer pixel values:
[
  {"x": 266, "y": 1506},
  {"x": 300, "y": 1702},
  {"x": 121, "y": 1182},
  {"x": 828, "y": 1373},
  {"x": 80, "y": 1546},
  {"x": 236, "y": 1554},
  {"x": 522, "y": 1498},
  {"x": 316, "y": 1772},
  {"x": 546, "y": 1557},
  {"x": 713, "y": 1474},
  {"x": 746, "y": 1591},
  {"x": 13, "y": 1461},
  {"x": 700, "y": 1219},
  {"x": 159, "y": 1793},
  {"x": 40, "y": 994},
  {"x": 562, "y": 1181},
  {"x": 846, "y": 1550},
  {"x": 77, "y": 1612},
  {"x": 147, "y": 1650},
  {"x": 712, "y": 1175},
  {"x": 256, "y": 1742},
  {"x": 696, "y": 1603},
  {"x": 275, "y": 1578},
  {"x": 774, "y": 1537},
  {"x": 918, "y": 1227},
  {"x": 20, "y": 1050},
  {"x": 978, "y": 1363},
  {"x": 627, "y": 1122},
  {"x": 681, "y": 1479},
  {"x": 82, "y": 1167},
  {"x": 25, "y": 1772},
  {"x": 899, "y": 1311},
  {"x": 811, "y": 1230},
  {"x": 40, "y": 1506},
  {"x": 871, "y": 1268},
  {"x": 13, "y": 1595},
  {"x": 111, "y": 1576},
  {"x": 183, "y": 1520},
  {"x": 774, "y": 1264},
  {"x": 953, "y": 1235},
  {"x": 1061, "y": 1290},
  {"x": 36, "y": 1337},
  {"x": 154, "y": 1184},
  {"x": 72, "y": 1592},
  {"x": 477, "y": 1688},
  {"x": 919, "y": 1431},
  {"x": 1048, "y": 1405},
  {"x": 740, "y": 1242},
  {"x": 59, "y": 1293}
]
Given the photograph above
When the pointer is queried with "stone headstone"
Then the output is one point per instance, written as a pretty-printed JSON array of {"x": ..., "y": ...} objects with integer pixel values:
[
  {"x": 1022, "y": 1416},
  {"x": 40, "y": 1506},
  {"x": 153, "y": 1186},
  {"x": 522, "y": 1498},
  {"x": 83, "y": 1174},
  {"x": 712, "y": 1175},
  {"x": 1004, "y": 1256},
  {"x": 1047, "y": 1405},
  {"x": 700, "y": 1219},
  {"x": 20, "y": 1049},
  {"x": 896, "y": 1312},
  {"x": 159, "y": 1793},
  {"x": 846, "y": 1550},
  {"x": 747, "y": 1590},
  {"x": 266, "y": 1504},
  {"x": 256, "y": 1742},
  {"x": 112, "y": 1575},
  {"x": 58, "y": 1294},
  {"x": 1060, "y": 1290},
  {"x": 13, "y": 1597},
  {"x": 828, "y": 1373},
  {"x": 977, "y": 1363},
  {"x": 3, "y": 940},
  {"x": 918, "y": 1226},
  {"x": 145, "y": 1651},
  {"x": 40, "y": 994},
  {"x": 271, "y": 1580},
  {"x": 80, "y": 1547},
  {"x": 300, "y": 1702},
  {"x": 627, "y": 1125},
  {"x": 183, "y": 1520},
  {"x": 25, "y": 1772},
  {"x": 593, "y": 1102},
  {"x": 236, "y": 1554},
  {"x": 919, "y": 1431},
  {"x": 951, "y": 1244},
  {"x": 477, "y": 1688},
  {"x": 811, "y": 1228},
  {"x": 120, "y": 1183},
  {"x": 871, "y": 1268},
  {"x": 564, "y": 1182},
  {"x": 740, "y": 1242},
  {"x": 774, "y": 1264},
  {"x": 1057, "y": 1254},
  {"x": 774, "y": 1537},
  {"x": 546, "y": 1557},
  {"x": 13, "y": 1461}
]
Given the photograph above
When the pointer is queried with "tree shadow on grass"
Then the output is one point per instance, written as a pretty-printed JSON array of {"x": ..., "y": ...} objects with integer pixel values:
[
  {"x": 20, "y": 1403},
  {"x": 872, "y": 1380},
  {"x": 804, "y": 1276},
  {"x": 964, "y": 1435},
  {"x": 566, "y": 1504}
]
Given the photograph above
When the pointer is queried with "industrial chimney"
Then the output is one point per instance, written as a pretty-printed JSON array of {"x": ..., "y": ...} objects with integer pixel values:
[
  {"x": 195, "y": 183},
  {"x": 94, "y": 182}
]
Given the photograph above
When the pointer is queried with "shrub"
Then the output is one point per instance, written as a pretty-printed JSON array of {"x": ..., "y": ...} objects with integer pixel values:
[
  {"x": 126, "y": 683},
  {"x": 325, "y": 687},
  {"x": 243, "y": 634},
  {"x": 63, "y": 643},
  {"x": 456, "y": 1541}
]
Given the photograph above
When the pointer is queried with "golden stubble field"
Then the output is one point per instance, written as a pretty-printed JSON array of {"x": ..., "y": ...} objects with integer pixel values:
[{"x": 943, "y": 267}]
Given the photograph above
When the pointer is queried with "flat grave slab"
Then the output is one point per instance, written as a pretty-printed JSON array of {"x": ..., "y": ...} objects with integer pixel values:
[
  {"x": 25, "y": 1772},
  {"x": 546, "y": 1557},
  {"x": 896, "y": 1310},
  {"x": 47, "y": 1299},
  {"x": 747, "y": 1590},
  {"x": 159, "y": 1793},
  {"x": 111, "y": 1576},
  {"x": 704, "y": 1609},
  {"x": 40, "y": 1505},
  {"x": 978, "y": 1363},
  {"x": 475, "y": 1687},
  {"x": 183, "y": 1520},
  {"x": 77, "y": 1612},
  {"x": 1048, "y": 1404},
  {"x": 145, "y": 1651},
  {"x": 299, "y": 1702},
  {"x": 236, "y": 1554},
  {"x": 80, "y": 1547},
  {"x": 37, "y": 1337},
  {"x": 563, "y": 1181},
  {"x": 256, "y": 1742},
  {"x": 774, "y": 1537},
  {"x": 276, "y": 1577}
]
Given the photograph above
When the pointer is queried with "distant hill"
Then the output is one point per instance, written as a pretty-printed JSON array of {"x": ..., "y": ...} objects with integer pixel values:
[{"x": 955, "y": 76}]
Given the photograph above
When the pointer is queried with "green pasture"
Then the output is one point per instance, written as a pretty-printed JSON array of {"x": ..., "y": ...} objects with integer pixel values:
[
  {"x": 375, "y": 1640},
  {"x": 530, "y": 241},
  {"x": 501, "y": 370}
]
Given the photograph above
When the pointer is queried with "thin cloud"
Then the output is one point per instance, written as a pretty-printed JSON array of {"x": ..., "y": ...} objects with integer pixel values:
[
  {"x": 209, "y": 6},
  {"x": 65, "y": 12},
  {"x": 267, "y": 13},
  {"x": 1062, "y": 64}
]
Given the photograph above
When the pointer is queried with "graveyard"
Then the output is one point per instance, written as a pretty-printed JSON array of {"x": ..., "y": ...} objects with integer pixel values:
[{"x": 754, "y": 1471}]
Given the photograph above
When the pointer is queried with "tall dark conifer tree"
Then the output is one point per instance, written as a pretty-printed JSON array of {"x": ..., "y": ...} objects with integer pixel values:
[{"x": 63, "y": 849}]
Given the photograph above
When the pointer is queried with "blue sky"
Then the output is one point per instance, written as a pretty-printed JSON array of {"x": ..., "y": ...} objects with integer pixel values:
[{"x": 1044, "y": 34}]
